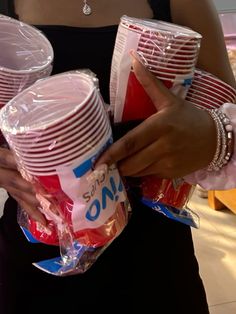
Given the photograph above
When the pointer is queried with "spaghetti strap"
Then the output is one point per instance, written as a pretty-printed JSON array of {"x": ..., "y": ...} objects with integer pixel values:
[{"x": 161, "y": 9}]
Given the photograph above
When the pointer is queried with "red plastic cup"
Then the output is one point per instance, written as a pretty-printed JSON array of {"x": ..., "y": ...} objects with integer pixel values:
[
  {"x": 137, "y": 104},
  {"x": 94, "y": 237},
  {"x": 164, "y": 191},
  {"x": 47, "y": 235}
]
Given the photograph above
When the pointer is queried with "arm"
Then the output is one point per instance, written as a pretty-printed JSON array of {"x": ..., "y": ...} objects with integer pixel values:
[
  {"x": 168, "y": 142},
  {"x": 201, "y": 16},
  {"x": 213, "y": 58},
  {"x": 172, "y": 142}
]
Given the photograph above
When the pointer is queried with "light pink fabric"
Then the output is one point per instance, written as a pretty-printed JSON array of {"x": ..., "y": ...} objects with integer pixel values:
[{"x": 225, "y": 178}]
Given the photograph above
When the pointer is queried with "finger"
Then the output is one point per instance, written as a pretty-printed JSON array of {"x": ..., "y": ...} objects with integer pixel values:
[
  {"x": 134, "y": 164},
  {"x": 156, "y": 169},
  {"x": 135, "y": 140},
  {"x": 163, "y": 169},
  {"x": 152, "y": 169},
  {"x": 29, "y": 198},
  {"x": 159, "y": 94},
  {"x": 12, "y": 178},
  {"x": 32, "y": 211}
]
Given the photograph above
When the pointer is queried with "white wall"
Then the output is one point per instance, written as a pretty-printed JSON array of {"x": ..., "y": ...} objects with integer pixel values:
[{"x": 225, "y": 5}]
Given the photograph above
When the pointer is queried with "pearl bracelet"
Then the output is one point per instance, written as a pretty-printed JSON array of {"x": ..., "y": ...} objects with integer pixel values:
[{"x": 224, "y": 149}]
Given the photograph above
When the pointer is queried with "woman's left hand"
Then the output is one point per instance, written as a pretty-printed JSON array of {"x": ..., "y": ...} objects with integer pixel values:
[{"x": 176, "y": 141}]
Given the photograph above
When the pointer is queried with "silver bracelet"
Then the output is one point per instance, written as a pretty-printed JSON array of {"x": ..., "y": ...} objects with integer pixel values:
[{"x": 224, "y": 149}]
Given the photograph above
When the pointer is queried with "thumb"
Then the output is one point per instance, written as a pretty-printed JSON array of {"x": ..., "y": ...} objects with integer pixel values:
[{"x": 156, "y": 90}]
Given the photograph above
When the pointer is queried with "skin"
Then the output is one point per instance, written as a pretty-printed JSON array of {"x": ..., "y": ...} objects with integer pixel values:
[
  {"x": 151, "y": 148},
  {"x": 154, "y": 147}
]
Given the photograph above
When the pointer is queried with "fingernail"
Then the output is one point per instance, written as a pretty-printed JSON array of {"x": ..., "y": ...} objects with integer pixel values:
[
  {"x": 138, "y": 60},
  {"x": 98, "y": 172},
  {"x": 135, "y": 56}
]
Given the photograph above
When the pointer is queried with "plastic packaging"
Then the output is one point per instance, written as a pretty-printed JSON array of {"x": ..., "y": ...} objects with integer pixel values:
[
  {"x": 57, "y": 128},
  {"x": 26, "y": 55},
  {"x": 170, "y": 52},
  {"x": 209, "y": 92}
]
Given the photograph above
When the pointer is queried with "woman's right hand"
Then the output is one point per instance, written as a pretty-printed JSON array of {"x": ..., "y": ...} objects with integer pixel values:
[{"x": 21, "y": 190}]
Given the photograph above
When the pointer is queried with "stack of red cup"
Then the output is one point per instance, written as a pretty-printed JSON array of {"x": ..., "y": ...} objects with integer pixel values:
[
  {"x": 170, "y": 52},
  {"x": 209, "y": 92},
  {"x": 57, "y": 128},
  {"x": 25, "y": 56}
]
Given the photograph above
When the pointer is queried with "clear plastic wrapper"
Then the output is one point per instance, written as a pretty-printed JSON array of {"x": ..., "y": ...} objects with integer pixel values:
[
  {"x": 26, "y": 55},
  {"x": 170, "y": 52},
  {"x": 57, "y": 128},
  {"x": 209, "y": 92}
]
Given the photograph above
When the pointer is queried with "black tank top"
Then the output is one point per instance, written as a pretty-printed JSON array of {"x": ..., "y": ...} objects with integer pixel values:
[{"x": 152, "y": 251}]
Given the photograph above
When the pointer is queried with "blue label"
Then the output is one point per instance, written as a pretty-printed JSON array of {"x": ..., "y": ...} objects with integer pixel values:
[
  {"x": 55, "y": 266},
  {"x": 187, "y": 82},
  {"x": 29, "y": 236},
  {"x": 83, "y": 168},
  {"x": 182, "y": 215}
]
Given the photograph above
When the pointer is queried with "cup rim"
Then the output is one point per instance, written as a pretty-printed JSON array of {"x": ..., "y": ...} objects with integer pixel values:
[
  {"x": 17, "y": 101},
  {"x": 34, "y": 31},
  {"x": 151, "y": 25}
]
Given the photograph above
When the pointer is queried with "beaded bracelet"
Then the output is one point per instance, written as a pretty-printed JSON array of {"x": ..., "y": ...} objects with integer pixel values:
[{"x": 225, "y": 143}]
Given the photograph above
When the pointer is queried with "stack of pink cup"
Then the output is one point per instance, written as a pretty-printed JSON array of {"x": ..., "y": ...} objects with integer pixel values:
[
  {"x": 25, "y": 56},
  {"x": 57, "y": 128},
  {"x": 209, "y": 92},
  {"x": 169, "y": 51}
]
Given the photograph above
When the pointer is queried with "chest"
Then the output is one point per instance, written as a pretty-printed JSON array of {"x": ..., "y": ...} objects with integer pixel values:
[{"x": 64, "y": 12}]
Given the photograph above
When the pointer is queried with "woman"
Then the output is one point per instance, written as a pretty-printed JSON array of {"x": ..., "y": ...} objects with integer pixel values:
[{"x": 151, "y": 266}]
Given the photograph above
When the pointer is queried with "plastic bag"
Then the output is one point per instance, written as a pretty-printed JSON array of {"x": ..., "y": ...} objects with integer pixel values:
[{"x": 57, "y": 128}]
